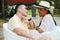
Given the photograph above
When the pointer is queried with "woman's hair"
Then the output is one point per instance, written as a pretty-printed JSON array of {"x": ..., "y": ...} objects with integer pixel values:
[{"x": 52, "y": 17}]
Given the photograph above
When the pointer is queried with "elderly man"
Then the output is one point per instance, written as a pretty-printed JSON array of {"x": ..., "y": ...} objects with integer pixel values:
[{"x": 20, "y": 23}]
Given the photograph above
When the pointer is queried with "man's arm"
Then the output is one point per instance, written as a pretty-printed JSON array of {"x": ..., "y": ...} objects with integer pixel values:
[
  {"x": 31, "y": 25},
  {"x": 21, "y": 32}
]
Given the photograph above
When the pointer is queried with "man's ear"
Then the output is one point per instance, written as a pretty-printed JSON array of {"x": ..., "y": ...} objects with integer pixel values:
[{"x": 20, "y": 10}]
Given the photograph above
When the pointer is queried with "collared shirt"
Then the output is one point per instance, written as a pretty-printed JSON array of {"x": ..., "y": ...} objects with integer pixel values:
[
  {"x": 47, "y": 23},
  {"x": 15, "y": 22}
]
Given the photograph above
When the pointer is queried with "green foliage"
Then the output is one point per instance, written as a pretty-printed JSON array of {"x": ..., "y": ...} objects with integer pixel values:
[{"x": 12, "y": 12}]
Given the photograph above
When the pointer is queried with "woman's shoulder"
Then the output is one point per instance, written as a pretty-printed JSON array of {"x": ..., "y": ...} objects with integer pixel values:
[{"x": 48, "y": 16}]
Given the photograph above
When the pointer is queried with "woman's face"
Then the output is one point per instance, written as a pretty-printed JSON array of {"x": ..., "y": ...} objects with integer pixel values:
[{"x": 42, "y": 11}]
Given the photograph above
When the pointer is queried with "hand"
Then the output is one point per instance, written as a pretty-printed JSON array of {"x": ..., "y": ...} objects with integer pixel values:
[
  {"x": 39, "y": 29},
  {"x": 25, "y": 19}
]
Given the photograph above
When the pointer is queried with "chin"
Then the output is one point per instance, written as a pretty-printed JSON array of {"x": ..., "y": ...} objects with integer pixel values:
[{"x": 25, "y": 15}]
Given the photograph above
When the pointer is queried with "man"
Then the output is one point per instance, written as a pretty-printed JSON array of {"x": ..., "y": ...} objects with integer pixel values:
[{"x": 20, "y": 23}]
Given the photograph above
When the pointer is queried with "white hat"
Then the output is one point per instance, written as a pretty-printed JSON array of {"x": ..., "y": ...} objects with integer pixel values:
[{"x": 44, "y": 4}]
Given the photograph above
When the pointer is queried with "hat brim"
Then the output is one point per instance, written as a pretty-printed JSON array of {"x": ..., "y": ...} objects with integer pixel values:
[{"x": 39, "y": 6}]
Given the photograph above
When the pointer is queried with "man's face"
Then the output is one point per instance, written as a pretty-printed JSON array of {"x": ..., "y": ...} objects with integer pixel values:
[{"x": 23, "y": 10}]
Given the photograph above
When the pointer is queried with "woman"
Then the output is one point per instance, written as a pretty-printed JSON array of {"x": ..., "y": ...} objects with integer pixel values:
[{"x": 47, "y": 22}]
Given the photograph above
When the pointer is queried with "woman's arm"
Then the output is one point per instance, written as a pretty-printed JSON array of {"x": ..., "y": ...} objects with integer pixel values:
[{"x": 39, "y": 29}]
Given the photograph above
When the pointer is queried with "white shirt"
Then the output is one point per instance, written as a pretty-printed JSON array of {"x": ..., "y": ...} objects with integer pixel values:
[
  {"x": 47, "y": 23},
  {"x": 15, "y": 22}
]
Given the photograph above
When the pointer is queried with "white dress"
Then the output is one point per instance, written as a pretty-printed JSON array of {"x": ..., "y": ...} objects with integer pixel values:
[{"x": 47, "y": 23}]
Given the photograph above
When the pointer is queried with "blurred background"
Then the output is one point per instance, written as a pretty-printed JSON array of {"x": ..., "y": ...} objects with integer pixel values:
[{"x": 7, "y": 10}]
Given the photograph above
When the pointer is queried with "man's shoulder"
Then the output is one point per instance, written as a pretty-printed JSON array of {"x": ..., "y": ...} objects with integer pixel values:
[
  {"x": 15, "y": 18},
  {"x": 12, "y": 18}
]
